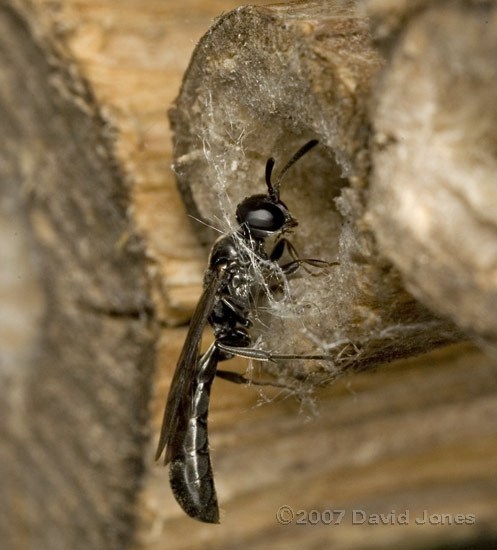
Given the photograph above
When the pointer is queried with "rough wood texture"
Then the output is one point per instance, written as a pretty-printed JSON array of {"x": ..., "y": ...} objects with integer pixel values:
[
  {"x": 260, "y": 83},
  {"x": 415, "y": 435},
  {"x": 86, "y": 149},
  {"x": 434, "y": 195},
  {"x": 255, "y": 87},
  {"x": 75, "y": 387}
]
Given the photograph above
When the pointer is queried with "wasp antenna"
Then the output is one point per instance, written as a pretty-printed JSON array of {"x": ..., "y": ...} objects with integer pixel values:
[
  {"x": 300, "y": 153},
  {"x": 269, "y": 170}
]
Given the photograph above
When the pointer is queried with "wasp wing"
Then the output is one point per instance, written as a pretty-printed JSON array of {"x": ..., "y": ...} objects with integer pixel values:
[{"x": 178, "y": 406}]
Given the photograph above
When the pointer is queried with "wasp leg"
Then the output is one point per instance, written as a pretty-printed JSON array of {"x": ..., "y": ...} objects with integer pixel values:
[
  {"x": 291, "y": 267},
  {"x": 229, "y": 345},
  {"x": 263, "y": 355},
  {"x": 296, "y": 262},
  {"x": 279, "y": 249}
]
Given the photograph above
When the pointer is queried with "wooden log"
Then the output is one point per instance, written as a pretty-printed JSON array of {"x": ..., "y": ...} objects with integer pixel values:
[
  {"x": 433, "y": 195},
  {"x": 77, "y": 347},
  {"x": 262, "y": 82},
  {"x": 416, "y": 435},
  {"x": 231, "y": 96},
  {"x": 80, "y": 125}
]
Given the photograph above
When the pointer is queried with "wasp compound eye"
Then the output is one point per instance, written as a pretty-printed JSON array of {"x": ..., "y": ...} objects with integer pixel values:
[{"x": 262, "y": 217}]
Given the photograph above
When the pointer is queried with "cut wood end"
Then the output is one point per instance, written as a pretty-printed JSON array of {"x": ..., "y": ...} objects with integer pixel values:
[
  {"x": 261, "y": 83},
  {"x": 433, "y": 198}
]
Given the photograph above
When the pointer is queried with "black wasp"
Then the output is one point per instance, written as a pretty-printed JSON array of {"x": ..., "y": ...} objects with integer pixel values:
[{"x": 226, "y": 303}]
